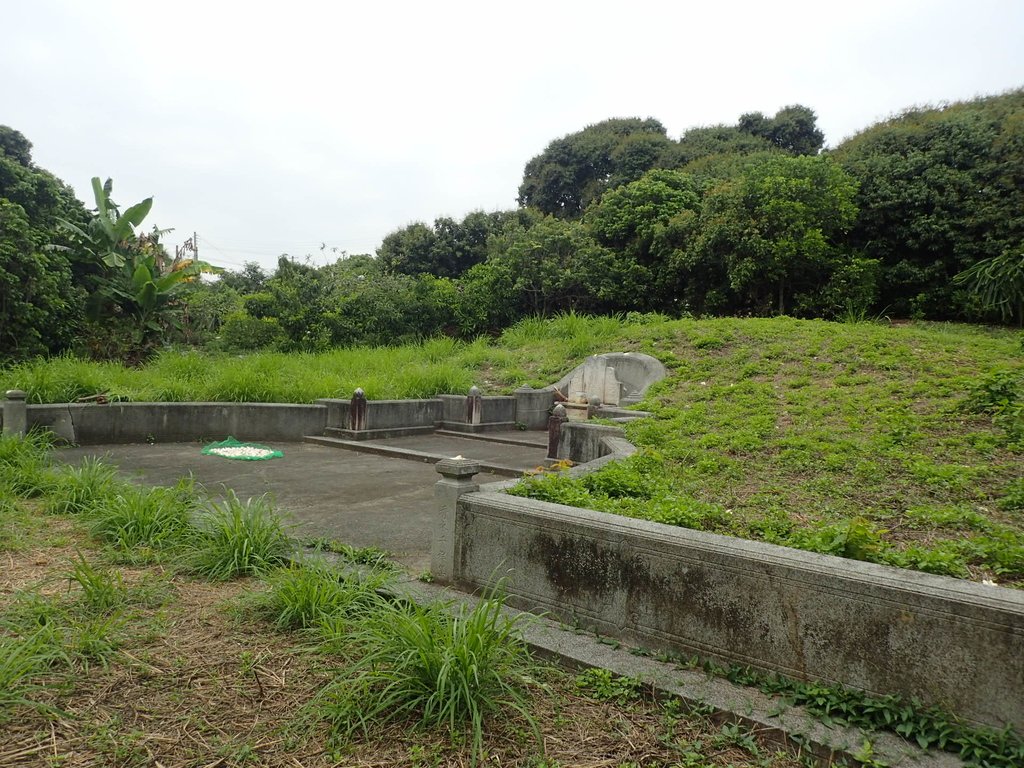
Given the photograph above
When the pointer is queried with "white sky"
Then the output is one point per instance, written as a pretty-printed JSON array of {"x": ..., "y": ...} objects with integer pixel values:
[{"x": 272, "y": 128}]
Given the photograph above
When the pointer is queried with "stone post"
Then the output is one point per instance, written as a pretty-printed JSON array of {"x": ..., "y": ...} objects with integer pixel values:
[
  {"x": 456, "y": 479},
  {"x": 593, "y": 406},
  {"x": 357, "y": 411},
  {"x": 555, "y": 422},
  {"x": 15, "y": 414},
  {"x": 474, "y": 406}
]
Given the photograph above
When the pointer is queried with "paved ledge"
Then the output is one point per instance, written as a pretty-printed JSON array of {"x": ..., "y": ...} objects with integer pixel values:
[
  {"x": 398, "y": 451},
  {"x": 507, "y": 438}
]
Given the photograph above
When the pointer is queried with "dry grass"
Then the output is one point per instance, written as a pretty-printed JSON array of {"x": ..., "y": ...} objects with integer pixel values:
[{"x": 200, "y": 684}]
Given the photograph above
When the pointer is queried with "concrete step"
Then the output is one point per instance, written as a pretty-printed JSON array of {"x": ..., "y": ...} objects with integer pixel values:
[
  {"x": 504, "y": 438},
  {"x": 379, "y": 449}
]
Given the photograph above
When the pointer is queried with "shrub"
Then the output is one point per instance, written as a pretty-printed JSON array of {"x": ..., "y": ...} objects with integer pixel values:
[{"x": 241, "y": 331}]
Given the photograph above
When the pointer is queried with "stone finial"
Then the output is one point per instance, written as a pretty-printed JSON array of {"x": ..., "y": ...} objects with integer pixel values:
[
  {"x": 15, "y": 394},
  {"x": 558, "y": 418}
]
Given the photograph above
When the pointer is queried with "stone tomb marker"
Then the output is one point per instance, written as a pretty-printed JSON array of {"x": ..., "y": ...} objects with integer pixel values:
[{"x": 596, "y": 379}]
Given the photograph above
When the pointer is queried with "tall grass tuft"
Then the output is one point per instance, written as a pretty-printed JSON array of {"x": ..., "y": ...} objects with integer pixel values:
[
  {"x": 25, "y": 464},
  {"x": 235, "y": 538},
  {"x": 102, "y": 590},
  {"x": 14, "y": 522},
  {"x": 139, "y": 522},
  {"x": 83, "y": 489},
  {"x": 310, "y": 595},
  {"x": 447, "y": 667},
  {"x": 21, "y": 660}
]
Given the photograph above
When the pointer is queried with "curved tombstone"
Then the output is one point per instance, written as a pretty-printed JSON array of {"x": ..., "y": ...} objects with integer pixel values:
[{"x": 617, "y": 378}]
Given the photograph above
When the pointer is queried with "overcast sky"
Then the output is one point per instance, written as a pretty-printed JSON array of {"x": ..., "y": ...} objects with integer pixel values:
[{"x": 271, "y": 129}]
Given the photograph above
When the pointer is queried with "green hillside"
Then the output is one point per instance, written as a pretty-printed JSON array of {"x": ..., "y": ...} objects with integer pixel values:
[{"x": 901, "y": 444}]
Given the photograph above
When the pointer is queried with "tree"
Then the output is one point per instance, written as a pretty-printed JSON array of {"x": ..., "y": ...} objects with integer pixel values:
[
  {"x": 109, "y": 234},
  {"x": 446, "y": 250},
  {"x": 576, "y": 169},
  {"x": 549, "y": 267},
  {"x": 137, "y": 281},
  {"x": 250, "y": 279},
  {"x": 15, "y": 146},
  {"x": 646, "y": 221},
  {"x": 713, "y": 141},
  {"x": 777, "y": 229},
  {"x": 794, "y": 129},
  {"x": 40, "y": 303},
  {"x": 940, "y": 189}
]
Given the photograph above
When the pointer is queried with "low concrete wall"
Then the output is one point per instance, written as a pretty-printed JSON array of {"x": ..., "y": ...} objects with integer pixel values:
[
  {"x": 392, "y": 414},
  {"x": 494, "y": 409},
  {"x": 337, "y": 411},
  {"x": 582, "y": 443},
  {"x": 177, "y": 422},
  {"x": 453, "y": 408},
  {"x": 533, "y": 407},
  {"x": 498, "y": 409},
  {"x": 948, "y": 642}
]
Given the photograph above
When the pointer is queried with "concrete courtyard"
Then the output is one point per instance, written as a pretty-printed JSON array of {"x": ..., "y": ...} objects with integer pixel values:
[{"x": 358, "y": 498}]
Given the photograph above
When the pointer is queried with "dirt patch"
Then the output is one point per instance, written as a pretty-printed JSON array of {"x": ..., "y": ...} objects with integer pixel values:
[{"x": 200, "y": 681}]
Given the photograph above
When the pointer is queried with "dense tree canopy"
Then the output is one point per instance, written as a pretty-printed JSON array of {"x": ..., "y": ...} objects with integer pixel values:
[
  {"x": 40, "y": 304},
  {"x": 575, "y": 170},
  {"x": 940, "y": 190},
  {"x": 921, "y": 215},
  {"x": 793, "y": 129},
  {"x": 446, "y": 250},
  {"x": 777, "y": 229}
]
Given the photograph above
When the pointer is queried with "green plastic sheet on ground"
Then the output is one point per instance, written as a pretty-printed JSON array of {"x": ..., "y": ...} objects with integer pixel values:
[{"x": 234, "y": 449}]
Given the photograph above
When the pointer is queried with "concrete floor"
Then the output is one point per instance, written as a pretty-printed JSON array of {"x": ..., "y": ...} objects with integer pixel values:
[{"x": 358, "y": 498}]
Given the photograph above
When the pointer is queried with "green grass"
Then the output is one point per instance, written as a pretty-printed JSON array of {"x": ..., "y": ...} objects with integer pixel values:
[
  {"x": 22, "y": 661},
  {"x": 83, "y": 489},
  {"x": 141, "y": 523},
  {"x": 441, "y": 665},
  {"x": 314, "y": 595},
  {"x": 891, "y": 444},
  {"x": 239, "y": 538},
  {"x": 25, "y": 467}
]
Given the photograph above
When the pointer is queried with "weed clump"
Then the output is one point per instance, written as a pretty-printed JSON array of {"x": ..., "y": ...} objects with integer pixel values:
[
  {"x": 141, "y": 522},
  {"x": 235, "y": 538},
  {"x": 447, "y": 667}
]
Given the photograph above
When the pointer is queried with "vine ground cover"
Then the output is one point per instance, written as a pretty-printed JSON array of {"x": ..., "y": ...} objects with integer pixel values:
[{"x": 859, "y": 440}]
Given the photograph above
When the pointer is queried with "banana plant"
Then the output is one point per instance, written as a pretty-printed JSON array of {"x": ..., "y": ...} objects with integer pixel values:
[
  {"x": 134, "y": 280},
  {"x": 110, "y": 233},
  {"x": 145, "y": 289}
]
